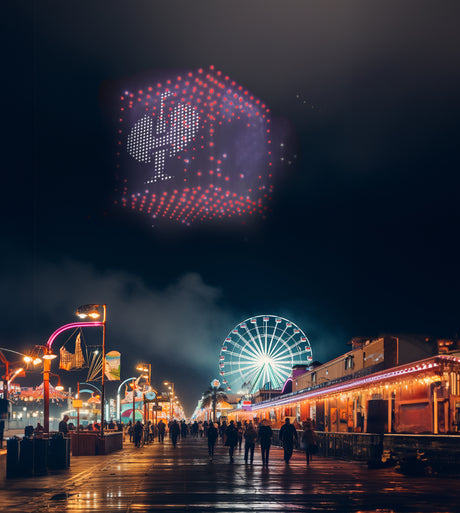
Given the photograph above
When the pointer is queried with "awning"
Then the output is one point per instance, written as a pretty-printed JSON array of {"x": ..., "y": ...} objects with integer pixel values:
[
  {"x": 139, "y": 415},
  {"x": 224, "y": 406}
]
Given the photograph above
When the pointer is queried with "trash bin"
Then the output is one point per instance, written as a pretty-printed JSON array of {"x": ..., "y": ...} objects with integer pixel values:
[
  {"x": 28, "y": 431},
  {"x": 59, "y": 452},
  {"x": 27, "y": 457},
  {"x": 12, "y": 457},
  {"x": 41, "y": 456}
]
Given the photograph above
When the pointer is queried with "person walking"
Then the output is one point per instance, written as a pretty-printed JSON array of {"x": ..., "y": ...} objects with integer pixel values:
[
  {"x": 264, "y": 435},
  {"x": 288, "y": 436},
  {"x": 239, "y": 428},
  {"x": 183, "y": 430},
  {"x": 161, "y": 426},
  {"x": 250, "y": 437},
  {"x": 212, "y": 434},
  {"x": 138, "y": 430},
  {"x": 309, "y": 441},
  {"x": 63, "y": 427},
  {"x": 231, "y": 439},
  {"x": 174, "y": 432}
]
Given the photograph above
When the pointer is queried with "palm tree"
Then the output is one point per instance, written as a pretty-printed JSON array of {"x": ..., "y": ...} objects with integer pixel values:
[{"x": 211, "y": 397}]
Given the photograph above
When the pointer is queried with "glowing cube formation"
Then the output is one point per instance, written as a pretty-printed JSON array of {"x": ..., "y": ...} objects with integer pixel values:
[{"x": 197, "y": 146}]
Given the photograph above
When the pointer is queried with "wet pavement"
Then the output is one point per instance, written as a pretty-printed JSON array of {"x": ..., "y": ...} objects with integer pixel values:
[{"x": 158, "y": 477}]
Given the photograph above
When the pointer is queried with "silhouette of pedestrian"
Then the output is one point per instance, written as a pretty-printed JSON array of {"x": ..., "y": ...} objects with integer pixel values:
[
  {"x": 183, "y": 430},
  {"x": 240, "y": 430},
  {"x": 212, "y": 435},
  {"x": 288, "y": 435},
  {"x": 250, "y": 437},
  {"x": 231, "y": 439},
  {"x": 161, "y": 426},
  {"x": 264, "y": 436},
  {"x": 138, "y": 430},
  {"x": 308, "y": 441},
  {"x": 63, "y": 428},
  {"x": 174, "y": 432}
]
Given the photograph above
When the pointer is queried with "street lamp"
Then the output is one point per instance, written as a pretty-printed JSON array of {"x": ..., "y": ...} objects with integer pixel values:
[
  {"x": 34, "y": 358},
  {"x": 91, "y": 313},
  {"x": 118, "y": 398},
  {"x": 94, "y": 312},
  {"x": 170, "y": 385},
  {"x": 146, "y": 367},
  {"x": 9, "y": 375}
]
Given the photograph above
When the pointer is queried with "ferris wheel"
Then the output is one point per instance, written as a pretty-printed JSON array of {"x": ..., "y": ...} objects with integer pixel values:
[{"x": 260, "y": 353}]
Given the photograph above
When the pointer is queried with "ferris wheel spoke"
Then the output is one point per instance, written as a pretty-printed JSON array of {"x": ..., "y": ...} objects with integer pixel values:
[
  {"x": 247, "y": 347},
  {"x": 278, "y": 338},
  {"x": 254, "y": 347},
  {"x": 259, "y": 339},
  {"x": 281, "y": 375},
  {"x": 284, "y": 345},
  {"x": 256, "y": 381},
  {"x": 247, "y": 364},
  {"x": 265, "y": 336},
  {"x": 276, "y": 377}
]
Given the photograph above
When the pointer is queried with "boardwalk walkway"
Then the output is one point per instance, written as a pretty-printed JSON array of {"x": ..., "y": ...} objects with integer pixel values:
[{"x": 160, "y": 478}]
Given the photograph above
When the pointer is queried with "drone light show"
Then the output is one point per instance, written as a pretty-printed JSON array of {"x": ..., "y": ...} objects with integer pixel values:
[{"x": 196, "y": 146}]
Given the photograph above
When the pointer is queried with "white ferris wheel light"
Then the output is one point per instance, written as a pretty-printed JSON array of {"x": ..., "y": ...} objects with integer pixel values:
[{"x": 260, "y": 352}]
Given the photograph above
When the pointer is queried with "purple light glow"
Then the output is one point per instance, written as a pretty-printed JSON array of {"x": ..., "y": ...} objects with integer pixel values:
[{"x": 69, "y": 327}]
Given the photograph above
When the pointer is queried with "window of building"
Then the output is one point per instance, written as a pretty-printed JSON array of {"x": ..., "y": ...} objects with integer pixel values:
[{"x": 349, "y": 362}]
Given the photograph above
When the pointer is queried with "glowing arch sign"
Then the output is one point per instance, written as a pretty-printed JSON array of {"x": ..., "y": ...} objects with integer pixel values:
[{"x": 197, "y": 146}]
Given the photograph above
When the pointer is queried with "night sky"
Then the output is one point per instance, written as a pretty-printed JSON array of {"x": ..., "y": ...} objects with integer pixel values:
[{"x": 363, "y": 236}]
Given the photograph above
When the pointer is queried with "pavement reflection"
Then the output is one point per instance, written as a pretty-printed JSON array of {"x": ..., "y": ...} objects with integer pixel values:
[{"x": 160, "y": 478}]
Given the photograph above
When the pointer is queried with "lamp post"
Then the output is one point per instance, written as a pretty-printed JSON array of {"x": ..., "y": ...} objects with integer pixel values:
[
  {"x": 118, "y": 398},
  {"x": 146, "y": 367},
  {"x": 93, "y": 312},
  {"x": 10, "y": 375},
  {"x": 46, "y": 367},
  {"x": 170, "y": 385}
]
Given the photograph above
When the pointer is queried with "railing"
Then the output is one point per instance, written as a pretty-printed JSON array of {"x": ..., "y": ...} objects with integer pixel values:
[{"x": 369, "y": 446}]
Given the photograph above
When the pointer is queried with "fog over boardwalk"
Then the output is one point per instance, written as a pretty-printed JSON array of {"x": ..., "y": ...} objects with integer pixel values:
[{"x": 160, "y": 478}]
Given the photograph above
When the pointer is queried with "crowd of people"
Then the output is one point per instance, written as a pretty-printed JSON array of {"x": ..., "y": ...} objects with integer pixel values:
[{"x": 231, "y": 435}]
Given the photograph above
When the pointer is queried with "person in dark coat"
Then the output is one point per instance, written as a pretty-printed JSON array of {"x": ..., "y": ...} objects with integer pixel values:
[
  {"x": 250, "y": 437},
  {"x": 231, "y": 439},
  {"x": 161, "y": 426},
  {"x": 288, "y": 436},
  {"x": 174, "y": 432},
  {"x": 212, "y": 434},
  {"x": 183, "y": 430},
  {"x": 240, "y": 430},
  {"x": 63, "y": 428},
  {"x": 138, "y": 430},
  {"x": 309, "y": 442},
  {"x": 264, "y": 435}
]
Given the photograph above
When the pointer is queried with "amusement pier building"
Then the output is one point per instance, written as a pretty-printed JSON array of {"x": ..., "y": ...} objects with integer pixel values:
[{"x": 389, "y": 384}]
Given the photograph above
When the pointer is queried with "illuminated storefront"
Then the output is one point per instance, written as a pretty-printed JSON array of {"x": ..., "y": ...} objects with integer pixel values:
[{"x": 366, "y": 390}]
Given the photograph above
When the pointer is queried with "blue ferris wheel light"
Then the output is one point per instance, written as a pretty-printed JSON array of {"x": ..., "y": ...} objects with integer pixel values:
[{"x": 261, "y": 352}]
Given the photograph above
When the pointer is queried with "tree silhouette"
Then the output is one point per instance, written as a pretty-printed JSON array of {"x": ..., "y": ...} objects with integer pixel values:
[{"x": 211, "y": 397}]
